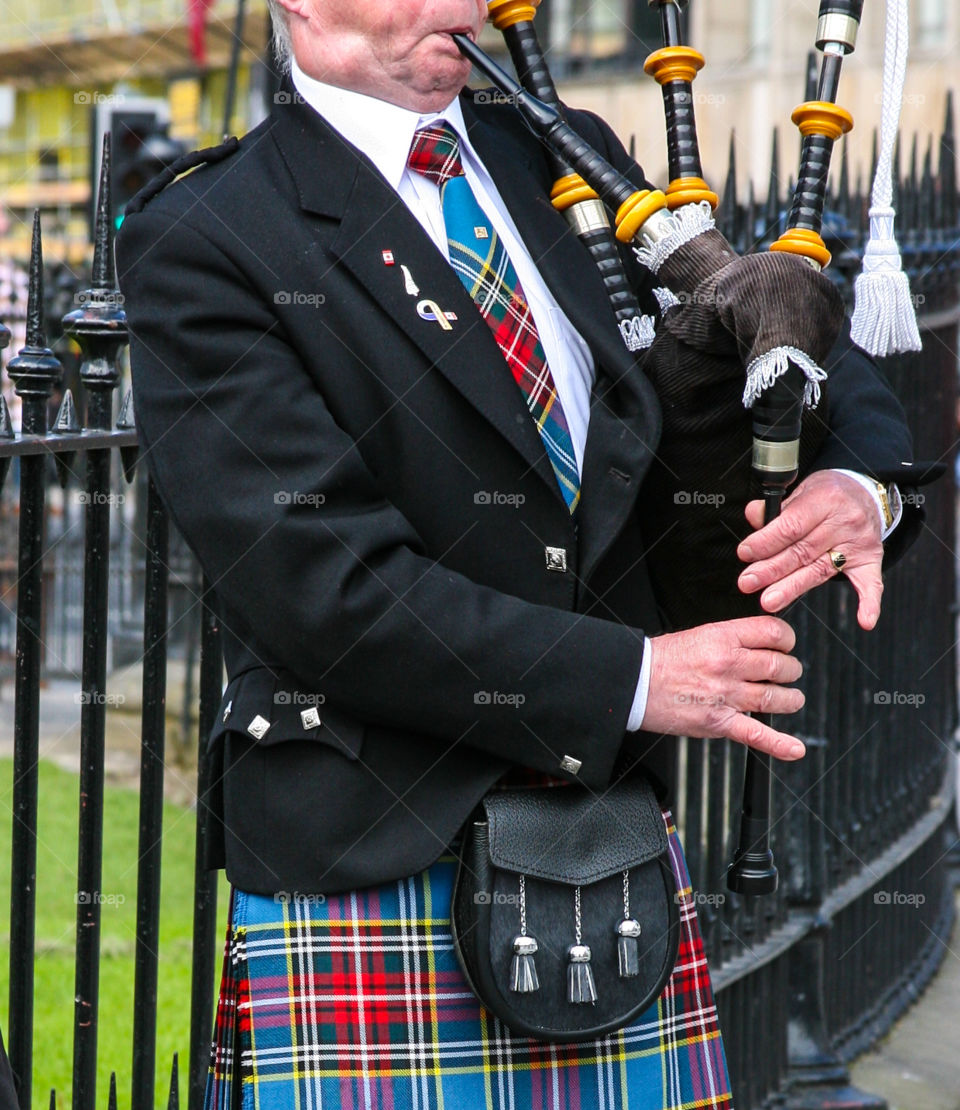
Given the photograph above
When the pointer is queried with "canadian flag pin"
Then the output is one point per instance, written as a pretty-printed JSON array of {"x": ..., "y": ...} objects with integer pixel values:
[{"x": 388, "y": 259}]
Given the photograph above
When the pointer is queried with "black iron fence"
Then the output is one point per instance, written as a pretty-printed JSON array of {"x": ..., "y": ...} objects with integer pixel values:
[{"x": 805, "y": 978}]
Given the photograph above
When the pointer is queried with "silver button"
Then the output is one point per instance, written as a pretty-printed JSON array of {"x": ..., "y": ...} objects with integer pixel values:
[
  {"x": 556, "y": 559},
  {"x": 570, "y": 765},
  {"x": 258, "y": 727},
  {"x": 228, "y": 710},
  {"x": 310, "y": 718}
]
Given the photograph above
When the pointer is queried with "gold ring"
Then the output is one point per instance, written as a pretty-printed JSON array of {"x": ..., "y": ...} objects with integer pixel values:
[{"x": 838, "y": 559}]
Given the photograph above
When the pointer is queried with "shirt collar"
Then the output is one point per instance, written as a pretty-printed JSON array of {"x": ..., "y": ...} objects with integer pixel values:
[{"x": 382, "y": 131}]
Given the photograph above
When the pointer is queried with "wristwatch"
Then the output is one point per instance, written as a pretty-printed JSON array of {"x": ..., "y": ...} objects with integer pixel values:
[{"x": 890, "y": 502}]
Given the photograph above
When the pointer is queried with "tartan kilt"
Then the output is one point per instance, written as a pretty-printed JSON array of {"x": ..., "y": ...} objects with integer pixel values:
[{"x": 356, "y": 1001}]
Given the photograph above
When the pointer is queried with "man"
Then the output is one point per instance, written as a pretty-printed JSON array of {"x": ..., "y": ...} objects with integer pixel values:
[{"x": 421, "y": 591}]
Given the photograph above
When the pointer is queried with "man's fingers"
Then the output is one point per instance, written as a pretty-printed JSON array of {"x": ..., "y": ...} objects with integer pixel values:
[
  {"x": 796, "y": 523},
  {"x": 764, "y": 632},
  {"x": 769, "y": 666},
  {"x": 754, "y": 734},
  {"x": 868, "y": 582},
  {"x": 787, "y": 589}
]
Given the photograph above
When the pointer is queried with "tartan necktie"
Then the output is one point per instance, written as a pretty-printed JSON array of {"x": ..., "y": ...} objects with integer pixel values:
[{"x": 482, "y": 264}]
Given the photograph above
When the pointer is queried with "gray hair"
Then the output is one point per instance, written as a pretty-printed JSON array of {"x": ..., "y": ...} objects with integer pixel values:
[{"x": 280, "y": 42}]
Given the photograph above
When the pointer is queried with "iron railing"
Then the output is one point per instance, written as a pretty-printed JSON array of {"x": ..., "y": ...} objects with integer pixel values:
[{"x": 805, "y": 978}]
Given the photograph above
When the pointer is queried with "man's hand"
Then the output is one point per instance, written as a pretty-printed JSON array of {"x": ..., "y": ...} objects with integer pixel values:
[
  {"x": 704, "y": 681},
  {"x": 790, "y": 555}
]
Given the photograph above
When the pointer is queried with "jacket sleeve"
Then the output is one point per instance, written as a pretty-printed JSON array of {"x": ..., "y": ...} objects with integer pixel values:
[{"x": 338, "y": 586}]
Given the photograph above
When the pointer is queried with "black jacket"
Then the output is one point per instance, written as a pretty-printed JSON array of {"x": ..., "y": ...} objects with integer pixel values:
[{"x": 372, "y": 502}]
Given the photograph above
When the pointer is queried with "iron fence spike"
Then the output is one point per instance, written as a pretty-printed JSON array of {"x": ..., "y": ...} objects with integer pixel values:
[
  {"x": 103, "y": 274},
  {"x": 34, "y": 332},
  {"x": 173, "y": 1100}
]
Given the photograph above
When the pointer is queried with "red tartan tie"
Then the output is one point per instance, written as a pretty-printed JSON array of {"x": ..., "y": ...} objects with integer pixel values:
[{"x": 482, "y": 263}]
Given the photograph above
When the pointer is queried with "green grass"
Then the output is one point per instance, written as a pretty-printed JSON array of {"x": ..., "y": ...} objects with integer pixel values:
[{"x": 56, "y": 927}]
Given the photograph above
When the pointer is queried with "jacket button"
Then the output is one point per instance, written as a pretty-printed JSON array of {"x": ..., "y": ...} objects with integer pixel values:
[
  {"x": 310, "y": 718},
  {"x": 556, "y": 559},
  {"x": 258, "y": 727}
]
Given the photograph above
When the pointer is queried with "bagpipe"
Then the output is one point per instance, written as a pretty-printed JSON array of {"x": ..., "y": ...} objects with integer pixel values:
[{"x": 736, "y": 346}]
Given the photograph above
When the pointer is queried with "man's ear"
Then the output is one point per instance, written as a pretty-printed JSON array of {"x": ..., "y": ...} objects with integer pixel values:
[{"x": 295, "y": 7}]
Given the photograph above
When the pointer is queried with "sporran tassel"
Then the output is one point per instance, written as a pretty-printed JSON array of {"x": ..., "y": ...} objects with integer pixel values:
[
  {"x": 628, "y": 930},
  {"x": 523, "y": 970},
  {"x": 580, "y": 984}
]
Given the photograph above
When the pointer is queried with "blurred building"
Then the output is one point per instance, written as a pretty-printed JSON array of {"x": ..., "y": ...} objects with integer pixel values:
[
  {"x": 66, "y": 64},
  {"x": 756, "y": 62}
]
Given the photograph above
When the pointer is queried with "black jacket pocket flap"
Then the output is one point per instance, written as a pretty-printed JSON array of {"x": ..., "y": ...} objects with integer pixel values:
[{"x": 272, "y": 708}]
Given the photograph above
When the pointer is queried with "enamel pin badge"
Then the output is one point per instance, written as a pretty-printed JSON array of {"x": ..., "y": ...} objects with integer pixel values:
[
  {"x": 408, "y": 283},
  {"x": 430, "y": 310}
]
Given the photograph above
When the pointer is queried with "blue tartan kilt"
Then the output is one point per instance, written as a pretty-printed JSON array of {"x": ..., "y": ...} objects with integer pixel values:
[{"x": 356, "y": 1001}]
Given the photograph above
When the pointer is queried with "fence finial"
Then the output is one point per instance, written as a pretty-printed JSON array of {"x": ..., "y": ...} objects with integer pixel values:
[
  {"x": 728, "y": 206},
  {"x": 103, "y": 275},
  {"x": 35, "y": 370},
  {"x": 173, "y": 1101},
  {"x": 772, "y": 212},
  {"x": 126, "y": 422}
]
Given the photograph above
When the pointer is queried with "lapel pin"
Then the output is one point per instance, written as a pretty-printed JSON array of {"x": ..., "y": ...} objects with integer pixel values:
[
  {"x": 430, "y": 310},
  {"x": 387, "y": 258},
  {"x": 481, "y": 232},
  {"x": 408, "y": 283}
]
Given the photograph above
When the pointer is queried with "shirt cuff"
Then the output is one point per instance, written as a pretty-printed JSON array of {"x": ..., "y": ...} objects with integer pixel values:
[
  {"x": 870, "y": 485},
  {"x": 639, "y": 707}
]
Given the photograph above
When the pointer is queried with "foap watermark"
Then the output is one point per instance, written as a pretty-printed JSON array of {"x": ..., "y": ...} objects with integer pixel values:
[
  {"x": 698, "y": 698},
  {"x": 298, "y": 898},
  {"x": 297, "y": 697},
  {"x": 288, "y": 98},
  {"x": 702, "y": 297},
  {"x": 98, "y": 898},
  {"x": 99, "y": 298},
  {"x": 699, "y": 898},
  {"x": 699, "y": 497},
  {"x": 299, "y": 497},
  {"x": 713, "y": 99},
  {"x": 898, "y": 898},
  {"x": 495, "y": 898},
  {"x": 898, "y": 697},
  {"x": 917, "y": 499},
  {"x": 298, "y": 296},
  {"x": 97, "y": 697},
  {"x": 98, "y": 497},
  {"x": 496, "y": 697},
  {"x": 495, "y": 497},
  {"x": 94, "y": 96},
  {"x": 494, "y": 96},
  {"x": 910, "y": 100}
]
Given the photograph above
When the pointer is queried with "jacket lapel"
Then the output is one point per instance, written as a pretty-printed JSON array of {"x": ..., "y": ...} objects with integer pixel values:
[{"x": 373, "y": 219}]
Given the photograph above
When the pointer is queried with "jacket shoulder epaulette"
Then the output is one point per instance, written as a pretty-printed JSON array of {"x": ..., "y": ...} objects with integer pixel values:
[{"x": 209, "y": 155}]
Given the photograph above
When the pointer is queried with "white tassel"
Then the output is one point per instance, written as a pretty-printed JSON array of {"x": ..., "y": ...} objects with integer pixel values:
[
  {"x": 762, "y": 372},
  {"x": 884, "y": 320},
  {"x": 638, "y": 332},
  {"x": 686, "y": 222},
  {"x": 666, "y": 298}
]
